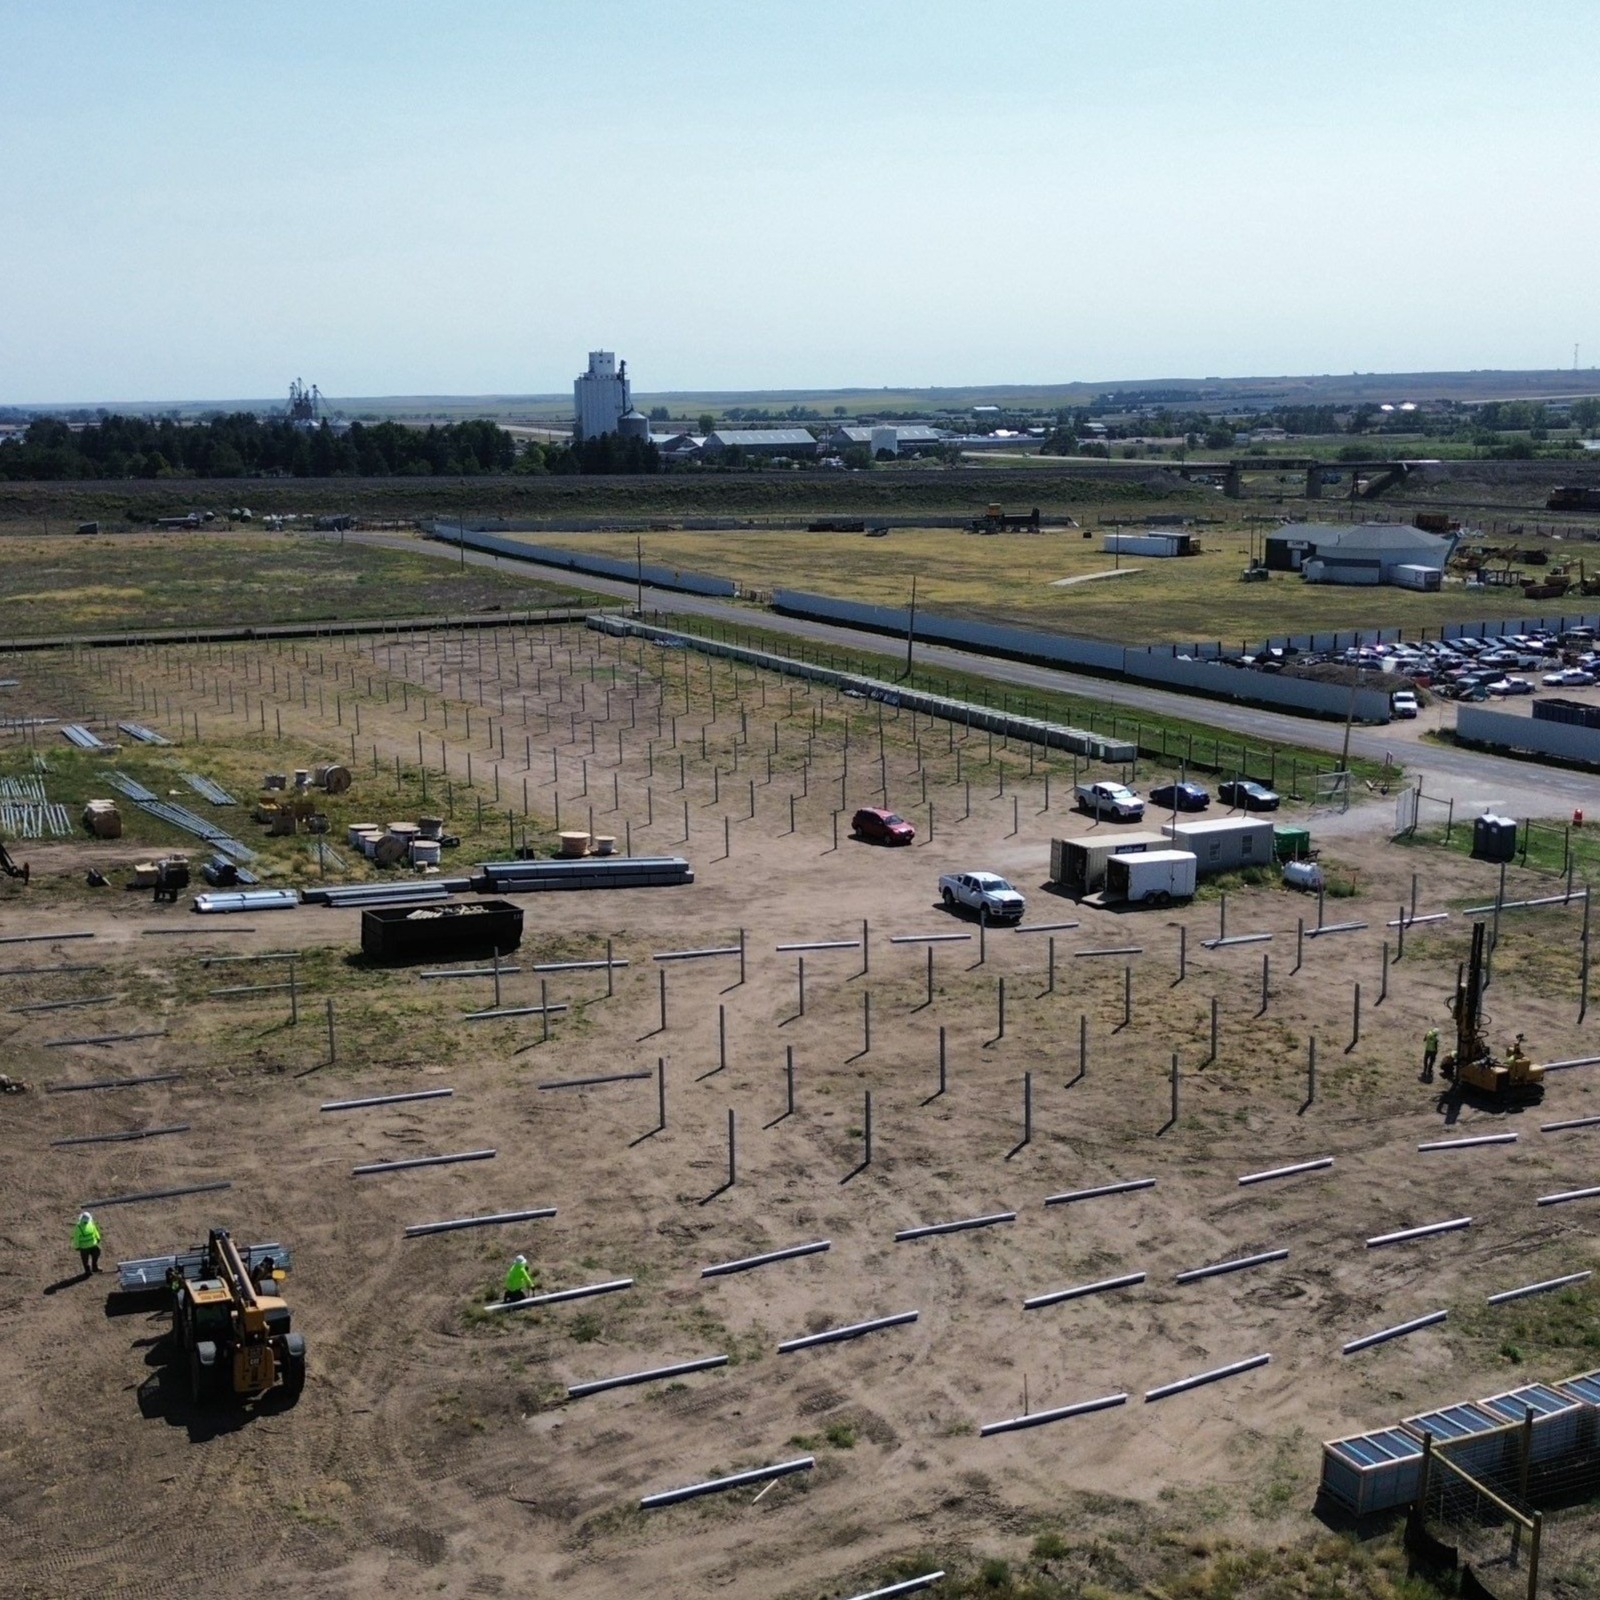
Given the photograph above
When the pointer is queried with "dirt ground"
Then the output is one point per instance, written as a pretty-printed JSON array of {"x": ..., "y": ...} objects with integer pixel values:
[{"x": 434, "y": 1451}]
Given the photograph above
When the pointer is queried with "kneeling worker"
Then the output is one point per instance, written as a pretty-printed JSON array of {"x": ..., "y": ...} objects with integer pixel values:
[
  {"x": 519, "y": 1281},
  {"x": 86, "y": 1241}
]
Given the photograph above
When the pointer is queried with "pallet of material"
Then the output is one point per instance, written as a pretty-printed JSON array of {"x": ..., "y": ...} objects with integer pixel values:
[{"x": 588, "y": 872}]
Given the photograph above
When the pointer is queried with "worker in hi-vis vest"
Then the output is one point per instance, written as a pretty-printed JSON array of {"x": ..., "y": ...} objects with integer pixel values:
[
  {"x": 86, "y": 1241},
  {"x": 519, "y": 1281},
  {"x": 1430, "y": 1053}
]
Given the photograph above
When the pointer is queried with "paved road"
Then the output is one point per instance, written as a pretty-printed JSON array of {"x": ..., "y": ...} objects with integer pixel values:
[{"x": 1475, "y": 780}]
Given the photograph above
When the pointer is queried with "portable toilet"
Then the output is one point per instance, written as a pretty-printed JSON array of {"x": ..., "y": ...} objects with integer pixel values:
[{"x": 1494, "y": 838}]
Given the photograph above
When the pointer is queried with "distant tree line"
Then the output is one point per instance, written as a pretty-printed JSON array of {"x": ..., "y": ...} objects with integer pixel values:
[{"x": 244, "y": 445}]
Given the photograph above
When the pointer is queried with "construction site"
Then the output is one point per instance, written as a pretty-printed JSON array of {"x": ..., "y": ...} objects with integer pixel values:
[{"x": 871, "y": 1245}]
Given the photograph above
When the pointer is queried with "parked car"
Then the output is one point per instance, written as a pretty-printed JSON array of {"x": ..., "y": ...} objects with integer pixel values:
[
  {"x": 878, "y": 826},
  {"x": 1402, "y": 703},
  {"x": 1249, "y": 794},
  {"x": 1110, "y": 800},
  {"x": 1180, "y": 796},
  {"x": 986, "y": 893},
  {"x": 1570, "y": 678}
]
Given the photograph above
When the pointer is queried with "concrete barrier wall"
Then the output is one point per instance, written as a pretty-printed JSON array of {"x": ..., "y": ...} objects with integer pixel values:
[
  {"x": 1569, "y": 740},
  {"x": 1258, "y": 688},
  {"x": 1053, "y": 735},
  {"x": 1022, "y": 644},
  {"x": 658, "y": 577}
]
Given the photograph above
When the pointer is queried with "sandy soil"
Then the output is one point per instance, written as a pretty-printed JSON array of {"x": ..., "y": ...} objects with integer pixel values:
[{"x": 434, "y": 1452}]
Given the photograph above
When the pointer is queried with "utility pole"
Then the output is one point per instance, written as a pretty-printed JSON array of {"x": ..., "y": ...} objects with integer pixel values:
[
  {"x": 638, "y": 556},
  {"x": 911, "y": 624}
]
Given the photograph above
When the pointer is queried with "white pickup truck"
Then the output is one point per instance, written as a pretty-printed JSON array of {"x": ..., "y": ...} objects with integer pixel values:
[
  {"x": 986, "y": 893},
  {"x": 1110, "y": 800}
]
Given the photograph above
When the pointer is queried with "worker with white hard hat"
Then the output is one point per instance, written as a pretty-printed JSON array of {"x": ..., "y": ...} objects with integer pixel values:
[
  {"x": 86, "y": 1241},
  {"x": 519, "y": 1280}
]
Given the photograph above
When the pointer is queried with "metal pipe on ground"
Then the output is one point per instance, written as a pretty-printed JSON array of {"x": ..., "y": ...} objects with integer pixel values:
[
  {"x": 1126, "y": 1187},
  {"x": 113, "y": 1083},
  {"x": 576, "y": 1391},
  {"x": 853, "y": 1330},
  {"x": 156, "y": 1194},
  {"x": 930, "y": 1229},
  {"x": 386, "y": 1099},
  {"x": 589, "y": 1083},
  {"x": 1037, "y": 1419},
  {"x": 1320, "y": 1164},
  {"x": 1241, "y": 1264},
  {"x": 1399, "y": 1331},
  {"x": 373, "y": 1168},
  {"x": 1469, "y": 1144},
  {"x": 1233, "y": 1369},
  {"x": 1427, "y": 1231},
  {"x": 555, "y": 1296},
  {"x": 734, "y": 1480},
  {"x": 723, "y": 1269},
  {"x": 495, "y": 1219},
  {"x": 1544, "y": 1287},
  {"x": 1078, "y": 1291},
  {"x": 127, "y": 1135}
]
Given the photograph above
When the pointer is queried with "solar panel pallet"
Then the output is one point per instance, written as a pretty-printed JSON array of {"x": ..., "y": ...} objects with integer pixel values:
[
  {"x": 1475, "y": 1439},
  {"x": 1559, "y": 1420},
  {"x": 1372, "y": 1471},
  {"x": 1585, "y": 1387}
]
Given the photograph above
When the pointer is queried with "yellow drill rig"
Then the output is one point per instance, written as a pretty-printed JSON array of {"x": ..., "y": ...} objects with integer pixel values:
[
  {"x": 1472, "y": 1066},
  {"x": 230, "y": 1320}
]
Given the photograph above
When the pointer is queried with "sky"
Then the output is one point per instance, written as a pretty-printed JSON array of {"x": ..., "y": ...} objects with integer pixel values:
[{"x": 398, "y": 198}]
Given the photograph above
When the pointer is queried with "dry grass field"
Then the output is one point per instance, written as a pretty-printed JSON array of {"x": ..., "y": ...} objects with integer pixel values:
[
  {"x": 65, "y": 584},
  {"x": 435, "y": 1450},
  {"x": 1017, "y": 578}
]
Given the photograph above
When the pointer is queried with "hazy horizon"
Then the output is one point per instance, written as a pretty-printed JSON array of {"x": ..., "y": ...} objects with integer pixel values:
[{"x": 393, "y": 202}]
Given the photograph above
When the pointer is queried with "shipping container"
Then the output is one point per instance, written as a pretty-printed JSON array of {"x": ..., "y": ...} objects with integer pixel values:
[
  {"x": 1079, "y": 865},
  {"x": 1223, "y": 844},
  {"x": 439, "y": 931},
  {"x": 1558, "y": 709}
]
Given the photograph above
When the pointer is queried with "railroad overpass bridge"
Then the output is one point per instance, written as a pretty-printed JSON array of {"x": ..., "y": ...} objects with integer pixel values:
[{"x": 1382, "y": 473}]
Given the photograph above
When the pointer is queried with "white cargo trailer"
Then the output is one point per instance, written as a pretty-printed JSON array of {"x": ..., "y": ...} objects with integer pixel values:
[{"x": 1157, "y": 877}]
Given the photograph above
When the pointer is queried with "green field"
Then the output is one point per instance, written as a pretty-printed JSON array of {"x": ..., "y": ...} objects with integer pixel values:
[
  {"x": 1013, "y": 578},
  {"x": 67, "y": 584}
]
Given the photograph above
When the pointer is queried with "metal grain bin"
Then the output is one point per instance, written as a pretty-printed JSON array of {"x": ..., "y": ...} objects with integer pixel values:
[
  {"x": 1372, "y": 1471},
  {"x": 1557, "y": 1418},
  {"x": 1475, "y": 1439},
  {"x": 440, "y": 931}
]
